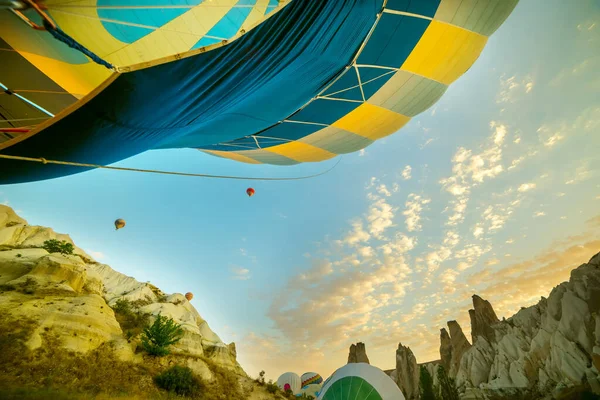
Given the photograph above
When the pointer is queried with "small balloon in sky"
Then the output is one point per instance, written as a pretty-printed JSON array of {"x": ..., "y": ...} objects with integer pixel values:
[
  {"x": 189, "y": 296},
  {"x": 250, "y": 192},
  {"x": 120, "y": 223}
]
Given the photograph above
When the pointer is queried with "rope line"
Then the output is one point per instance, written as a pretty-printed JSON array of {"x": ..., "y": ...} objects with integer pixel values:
[
  {"x": 153, "y": 171},
  {"x": 60, "y": 35}
]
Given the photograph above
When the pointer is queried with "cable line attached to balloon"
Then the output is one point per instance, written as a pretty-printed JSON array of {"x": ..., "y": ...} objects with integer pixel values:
[{"x": 153, "y": 171}]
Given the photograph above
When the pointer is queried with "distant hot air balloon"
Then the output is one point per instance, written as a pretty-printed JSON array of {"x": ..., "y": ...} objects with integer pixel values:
[
  {"x": 289, "y": 381},
  {"x": 120, "y": 223},
  {"x": 250, "y": 192},
  {"x": 189, "y": 296},
  {"x": 310, "y": 378}
]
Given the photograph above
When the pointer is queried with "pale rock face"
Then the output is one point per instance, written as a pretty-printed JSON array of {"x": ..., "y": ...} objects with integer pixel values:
[
  {"x": 406, "y": 374},
  {"x": 71, "y": 298},
  {"x": 550, "y": 345},
  {"x": 553, "y": 345},
  {"x": 459, "y": 344}
]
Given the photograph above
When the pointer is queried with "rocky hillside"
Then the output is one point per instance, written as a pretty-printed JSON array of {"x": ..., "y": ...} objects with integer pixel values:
[
  {"x": 545, "y": 350},
  {"x": 82, "y": 306}
]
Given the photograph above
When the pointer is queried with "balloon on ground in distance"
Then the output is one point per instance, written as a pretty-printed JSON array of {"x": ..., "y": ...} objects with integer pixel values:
[{"x": 289, "y": 381}]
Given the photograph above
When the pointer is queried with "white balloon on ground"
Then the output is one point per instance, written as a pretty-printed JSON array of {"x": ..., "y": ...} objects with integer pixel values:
[{"x": 289, "y": 380}]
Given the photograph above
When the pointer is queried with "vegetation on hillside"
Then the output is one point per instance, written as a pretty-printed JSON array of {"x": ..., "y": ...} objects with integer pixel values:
[
  {"x": 56, "y": 246},
  {"x": 51, "y": 371}
]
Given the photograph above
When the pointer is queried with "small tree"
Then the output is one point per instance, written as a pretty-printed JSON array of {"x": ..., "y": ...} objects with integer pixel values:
[
  {"x": 160, "y": 335},
  {"x": 426, "y": 385},
  {"x": 448, "y": 387},
  {"x": 261, "y": 378},
  {"x": 55, "y": 246}
]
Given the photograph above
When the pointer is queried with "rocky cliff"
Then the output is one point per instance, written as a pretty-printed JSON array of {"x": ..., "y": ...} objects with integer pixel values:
[
  {"x": 75, "y": 299},
  {"x": 546, "y": 349},
  {"x": 358, "y": 353}
]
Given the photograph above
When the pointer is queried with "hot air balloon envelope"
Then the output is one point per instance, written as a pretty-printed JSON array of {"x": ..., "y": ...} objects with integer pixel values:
[
  {"x": 120, "y": 223},
  {"x": 309, "y": 378},
  {"x": 273, "y": 82},
  {"x": 189, "y": 296},
  {"x": 360, "y": 381},
  {"x": 289, "y": 380},
  {"x": 250, "y": 192}
]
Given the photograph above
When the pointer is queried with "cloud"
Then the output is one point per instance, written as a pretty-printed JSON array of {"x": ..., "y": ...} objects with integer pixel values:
[
  {"x": 513, "y": 88},
  {"x": 357, "y": 234},
  {"x": 380, "y": 218},
  {"x": 240, "y": 273},
  {"x": 383, "y": 190},
  {"x": 400, "y": 245},
  {"x": 414, "y": 206},
  {"x": 406, "y": 172},
  {"x": 362, "y": 152},
  {"x": 582, "y": 173},
  {"x": 526, "y": 187},
  {"x": 471, "y": 169},
  {"x": 550, "y": 136},
  {"x": 539, "y": 214}
]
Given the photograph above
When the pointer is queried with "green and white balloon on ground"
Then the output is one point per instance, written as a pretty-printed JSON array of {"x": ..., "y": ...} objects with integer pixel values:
[{"x": 360, "y": 381}]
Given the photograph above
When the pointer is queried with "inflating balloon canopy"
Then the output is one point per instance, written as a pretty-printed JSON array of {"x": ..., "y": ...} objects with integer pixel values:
[
  {"x": 360, "y": 381},
  {"x": 255, "y": 81}
]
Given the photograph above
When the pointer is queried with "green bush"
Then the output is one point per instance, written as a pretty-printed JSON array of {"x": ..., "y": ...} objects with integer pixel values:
[
  {"x": 179, "y": 380},
  {"x": 426, "y": 385},
  {"x": 448, "y": 387},
  {"x": 160, "y": 335},
  {"x": 272, "y": 387},
  {"x": 55, "y": 246}
]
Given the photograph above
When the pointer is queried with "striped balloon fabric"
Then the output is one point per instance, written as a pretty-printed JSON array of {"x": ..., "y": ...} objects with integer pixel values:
[{"x": 256, "y": 81}]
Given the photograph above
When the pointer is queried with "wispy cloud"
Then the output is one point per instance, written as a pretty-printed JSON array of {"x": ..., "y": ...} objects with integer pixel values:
[
  {"x": 526, "y": 187},
  {"x": 240, "y": 273},
  {"x": 406, "y": 172},
  {"x": 512, "y": 88},
  {"x": 414, "y": 206}
]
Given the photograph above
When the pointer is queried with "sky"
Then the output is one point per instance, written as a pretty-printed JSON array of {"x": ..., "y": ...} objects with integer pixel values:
[{"x": 495, "y": 190}]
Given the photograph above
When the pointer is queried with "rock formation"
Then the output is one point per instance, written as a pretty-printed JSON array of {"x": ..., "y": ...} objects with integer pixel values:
[
  {"x": 483, "y": 318},
  {"x": 549, "y": 347},
  {"x": 358, "y": 354},
  {"x": 445, "y": 349},
  {"x": 73, "y": 296},
  {"x": 406, "y": 374}
]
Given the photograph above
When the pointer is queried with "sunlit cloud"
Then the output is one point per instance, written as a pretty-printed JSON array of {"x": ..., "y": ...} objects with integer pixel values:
[
  {"x": 414, "y": 206},
  {"x": 406, "y": 172},
  {"x": 512, "y": 88},
  {"x": 526, "y": 187}
]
